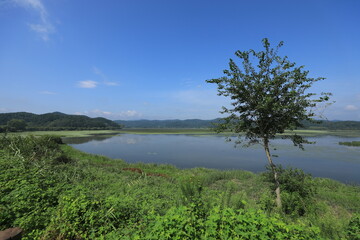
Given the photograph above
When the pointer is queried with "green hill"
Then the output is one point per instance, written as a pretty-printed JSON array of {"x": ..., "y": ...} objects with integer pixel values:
[
  {"x": 334, "y": 125},
  {"x": 57, "y": 121}
]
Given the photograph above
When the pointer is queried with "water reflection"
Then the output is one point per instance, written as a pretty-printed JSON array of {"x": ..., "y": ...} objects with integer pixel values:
[
  {"x": 80, "y": 140},
  {"x": 326, "y": 158}
]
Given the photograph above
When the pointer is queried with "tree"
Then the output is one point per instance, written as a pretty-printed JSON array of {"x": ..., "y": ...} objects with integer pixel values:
[
  {"x": 266, "y": 99},
  {"x": 15, "y": 125}
]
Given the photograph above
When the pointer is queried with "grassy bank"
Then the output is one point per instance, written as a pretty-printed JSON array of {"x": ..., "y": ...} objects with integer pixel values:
[{"x": 53, "y": 191}]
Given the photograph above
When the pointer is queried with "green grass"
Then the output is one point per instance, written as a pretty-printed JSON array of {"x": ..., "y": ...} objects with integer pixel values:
[
  {"x": 351, "y": 144},
  {"x": 315, "y": 133}
]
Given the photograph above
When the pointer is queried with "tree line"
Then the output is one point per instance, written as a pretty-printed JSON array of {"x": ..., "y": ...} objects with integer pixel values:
[
  {"x": 21, "y": 121},
  {"x": 198, "y": 123}
]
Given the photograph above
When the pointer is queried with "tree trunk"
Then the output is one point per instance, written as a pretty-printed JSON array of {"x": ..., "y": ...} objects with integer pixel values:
[{"x": 273, "y": 168}]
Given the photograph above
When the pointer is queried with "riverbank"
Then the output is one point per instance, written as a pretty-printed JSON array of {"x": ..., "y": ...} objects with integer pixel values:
[{"x": 54, "y": 191}]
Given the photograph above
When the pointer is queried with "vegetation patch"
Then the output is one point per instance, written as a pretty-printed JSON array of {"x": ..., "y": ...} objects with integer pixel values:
[
  {"x": 351, "y": 144},
  {"x": 53, "y": 191}
]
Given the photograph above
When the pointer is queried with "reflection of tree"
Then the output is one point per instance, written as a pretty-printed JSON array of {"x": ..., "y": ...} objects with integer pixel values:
[
  {"x": 121, "y": 139},
  {"x": 80, "y": 140}
]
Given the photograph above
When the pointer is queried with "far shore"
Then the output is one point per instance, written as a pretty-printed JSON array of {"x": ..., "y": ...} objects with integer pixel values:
[{"x": 194, "y": 131}]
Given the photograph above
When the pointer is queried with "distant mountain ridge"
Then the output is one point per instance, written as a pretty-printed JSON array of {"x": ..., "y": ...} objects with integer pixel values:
[
  {"x": 58, "y": 121},
  {"x": 62, "y": 121},
  {"x": 176, "y": 123},
  {"x": 198, "y": 123}
]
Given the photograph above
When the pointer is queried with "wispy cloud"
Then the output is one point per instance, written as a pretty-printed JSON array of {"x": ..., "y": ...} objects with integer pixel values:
[
  {"x": 130, "y": 114},
  {"x": 189, "y": 83},
  {"x": 351, "y": 107},
  {"x": 101, "y": 113},
  {"x": 103, "y": 77},
  {"x": 126, "y": 115},
  {"x": 44, "y": 28},
  {"x": 87, "y": 84},
  {"x": 199, "y": 97},
  {"x": 48, "y": 93}
]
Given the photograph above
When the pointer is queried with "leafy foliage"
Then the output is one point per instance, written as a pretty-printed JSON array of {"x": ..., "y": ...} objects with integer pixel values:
[
  {"x": 353, "y": 230},
  {"x": 268, "y": 97},
  {"x": 15, "y": 125},
  {"x": 184, "y": 223},
  {"x": 298, "y": 190}
]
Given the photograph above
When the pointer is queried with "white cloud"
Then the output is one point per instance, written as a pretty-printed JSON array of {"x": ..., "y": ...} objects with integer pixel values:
[
  {"x": 44, "y": 28},
  {"x": 87, "y": 84},
  {"x": 95, "y": 113},
  {"x": 351, "y": 108},
  {"x": 101, "y": 113},
  {"x": 98, "y": 72}
]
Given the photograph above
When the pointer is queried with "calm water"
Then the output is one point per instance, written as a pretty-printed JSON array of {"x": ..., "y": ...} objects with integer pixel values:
[{"x": 326, "y": 158}]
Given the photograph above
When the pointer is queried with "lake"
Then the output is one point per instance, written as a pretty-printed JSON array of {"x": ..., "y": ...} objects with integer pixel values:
[{"x": 326, "y": 158}]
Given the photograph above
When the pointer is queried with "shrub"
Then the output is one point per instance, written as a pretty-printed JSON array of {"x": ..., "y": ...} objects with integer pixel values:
[
  {"x": 28, "y": 196},
  {"x": 353, "y": 230},
  {"x": 78, "y": 216},
  {"x": 182, "y": 223},
  {"x": 297, "y": 190},
  {"x": 30, "y": 182},
  {"x": 191, "y": 192}
]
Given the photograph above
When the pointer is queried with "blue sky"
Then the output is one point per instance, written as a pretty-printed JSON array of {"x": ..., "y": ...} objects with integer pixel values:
[{"x": 142, "y": 59}]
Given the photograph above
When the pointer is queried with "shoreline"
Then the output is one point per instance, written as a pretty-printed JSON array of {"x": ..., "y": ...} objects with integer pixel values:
[{"x": 193, "y": 131}]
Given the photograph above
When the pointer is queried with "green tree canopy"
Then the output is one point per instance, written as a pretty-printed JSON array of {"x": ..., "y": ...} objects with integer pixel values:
[
  {"x": 269, "y": 94},
  {"x": 15, "y": 125}
]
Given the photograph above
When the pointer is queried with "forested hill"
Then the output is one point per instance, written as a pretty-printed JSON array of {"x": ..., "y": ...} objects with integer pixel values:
[
  {"x": 197, "y": 123},
  {"x": 56, "y": 121},
  {"x": 189, "y": 123},
  {"x": 333, "y": 125}
]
